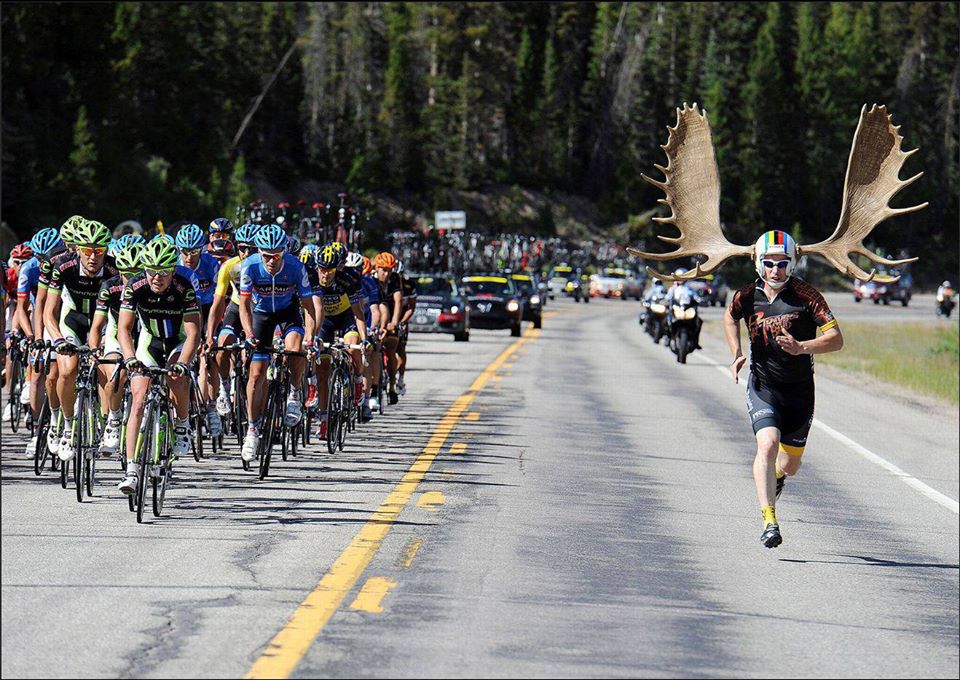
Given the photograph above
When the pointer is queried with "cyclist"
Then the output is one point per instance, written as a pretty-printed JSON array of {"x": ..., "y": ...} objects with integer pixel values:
[
  {"x": 370, "y": 298},
  {"x": 164, "y": 301},
  {"x": 308, "y": 257},
  {"x": 782, "y": 314},
  {"x": 80, "y": 276},
  {"x": 105, "y": 322},
  {"x": 19, "y": 255},
  {"x": 269, "y": 283},
  {"x": 391, "y": 305},
  {"x": 65, "y": 248},
  {"x": 44, "y": 242},
  {"x": 228, "y": 281},
  {"x": 190, "y": 241},
  {"x": 408, "y": 290},
  {"x": 341, "y": 314},
  {"x": 371, "y": 293}
]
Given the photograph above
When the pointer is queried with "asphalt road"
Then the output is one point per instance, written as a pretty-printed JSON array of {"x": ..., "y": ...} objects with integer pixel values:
[{"x": 581, "y": 506}]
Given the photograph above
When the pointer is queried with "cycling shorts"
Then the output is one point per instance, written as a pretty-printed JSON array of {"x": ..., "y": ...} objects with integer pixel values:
[
  {"x": 155, "y": 351},
  {"x": 787, "y": 407},
  {"x": 231, "y": 321},
  {"x": 342, "y": 325},
  {"x": 289, "y": 320},
  {"x": 74, "y": 326}
]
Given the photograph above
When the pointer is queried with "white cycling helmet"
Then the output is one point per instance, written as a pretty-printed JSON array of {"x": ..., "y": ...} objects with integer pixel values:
[
  {"x": 775, "y": 242},
  {"x": 946, "y": 284},
  {"x": 354, "y": 260}
]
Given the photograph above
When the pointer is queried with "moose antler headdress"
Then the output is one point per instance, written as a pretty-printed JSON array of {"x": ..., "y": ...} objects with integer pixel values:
[{"x": 692, "y": 188}]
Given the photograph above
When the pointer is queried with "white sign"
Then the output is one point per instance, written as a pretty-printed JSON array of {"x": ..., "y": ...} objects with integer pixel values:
[{"x": 450, "y": 219}]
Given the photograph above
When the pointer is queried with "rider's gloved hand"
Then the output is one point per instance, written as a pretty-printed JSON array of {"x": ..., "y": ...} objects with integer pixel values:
[
  {"x": 180, "y": 369},
  {"x": 61, "y": 346},
  {"x": 250, "y": 344},
  {"x": 132, "y": 364}
]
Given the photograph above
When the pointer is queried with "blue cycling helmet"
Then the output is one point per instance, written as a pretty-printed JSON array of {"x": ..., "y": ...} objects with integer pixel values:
[
  {"x": 45, "y": 240},
  {"x": 271, "y": 237},
  {"x": 246, "y": 233},
  {"x": 220, "y": 225},
  {"x": 191, "y": 237},
  {"x": 112, "y": 246},
  {"x": 129, "y": 240},
  {"x": 163, "y": 237}
]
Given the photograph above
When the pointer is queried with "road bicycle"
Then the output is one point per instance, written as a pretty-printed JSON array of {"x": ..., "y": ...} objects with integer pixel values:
[
  {"x": 273, "y": 428},
  {"x": 342, "y": 408},
  {"x": 153, "y": 455}
]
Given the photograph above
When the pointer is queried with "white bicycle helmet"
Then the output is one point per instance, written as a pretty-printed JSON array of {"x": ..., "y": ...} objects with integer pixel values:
[
  {"x": 775, "y": 242},
  {"x": 354, "y": 259}
]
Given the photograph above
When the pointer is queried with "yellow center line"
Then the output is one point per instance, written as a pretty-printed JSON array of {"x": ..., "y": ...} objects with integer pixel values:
[{"x": 292, "y": 642}]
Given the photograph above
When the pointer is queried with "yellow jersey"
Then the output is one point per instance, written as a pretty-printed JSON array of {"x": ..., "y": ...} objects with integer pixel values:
[{"x": 229, "y": 279}]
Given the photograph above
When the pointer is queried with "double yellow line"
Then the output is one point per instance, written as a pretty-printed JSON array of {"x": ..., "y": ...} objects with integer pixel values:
[{"x": 289, "y": 645}]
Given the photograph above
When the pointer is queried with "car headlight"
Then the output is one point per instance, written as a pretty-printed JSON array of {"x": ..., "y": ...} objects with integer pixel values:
[
  {"x": 534, "y": 299},
  {"x": 513, "y": 306},
  {"x": 454, "y": 309}
]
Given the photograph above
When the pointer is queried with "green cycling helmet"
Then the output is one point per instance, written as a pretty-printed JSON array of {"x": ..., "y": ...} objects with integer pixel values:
[
  {"x": 129, "y": 258},
  {"x": 92, "y": 233},
  {"x": 68, "y": 232},
  {"x": 159, "y": 254}
]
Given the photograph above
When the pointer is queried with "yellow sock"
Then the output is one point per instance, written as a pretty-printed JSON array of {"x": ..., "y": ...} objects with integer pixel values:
[
  {"x": 780, "y": 473},
  {"x": 769, "y": 515}
]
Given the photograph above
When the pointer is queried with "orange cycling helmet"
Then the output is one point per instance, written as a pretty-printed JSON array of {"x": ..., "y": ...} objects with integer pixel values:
[
  {"x": 385, "y": 260},
  {"x": 367, "y": 265}
]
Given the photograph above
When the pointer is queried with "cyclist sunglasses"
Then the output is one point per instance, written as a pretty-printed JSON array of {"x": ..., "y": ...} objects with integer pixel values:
[
  {"x": 158, "y": 272},
  {"x": 779, "y": 264},
  {"x": 267, "y": 255},
  {"x": 190, "y": 252},
  {"x": 87, "y": 250}
]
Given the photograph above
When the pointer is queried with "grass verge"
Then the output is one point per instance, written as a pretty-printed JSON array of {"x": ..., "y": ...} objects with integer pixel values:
[{"x": 919, "y": 356}]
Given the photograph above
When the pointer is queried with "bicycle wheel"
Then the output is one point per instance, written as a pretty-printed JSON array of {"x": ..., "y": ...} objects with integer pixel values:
[
  {"x": 41, "y": 452},
  {"x": 64, "y": 472},
  {"x": 143, "y": 456},
  {"x": 159, "y": 484},
  {"x": 196, "y": 414},
  {"x": 239, "y": 407},
  {"x": 333, "y": 410},
  {"x": 266, "y": 435},
  {"x": 90, "y": 454},
  {"x": 79, "y": 443},
  {"x": 13, "y": 395}
]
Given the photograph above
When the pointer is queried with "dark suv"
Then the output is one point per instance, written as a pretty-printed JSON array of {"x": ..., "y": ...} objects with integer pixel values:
[
  {"x": 440, "y": 307},
  {"x": 494, "y": 301}
]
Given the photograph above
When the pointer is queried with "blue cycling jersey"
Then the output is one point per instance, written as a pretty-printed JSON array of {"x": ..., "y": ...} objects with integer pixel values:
[
  {"x": 206, "y": 272},
  {"x": 371, "y": 293},
  {"x": 274, "y": 293},
  {"x": 29, "y": 278}
]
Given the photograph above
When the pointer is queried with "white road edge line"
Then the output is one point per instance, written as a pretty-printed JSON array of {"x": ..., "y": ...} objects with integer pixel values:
[{"x": 905, "y": 477}]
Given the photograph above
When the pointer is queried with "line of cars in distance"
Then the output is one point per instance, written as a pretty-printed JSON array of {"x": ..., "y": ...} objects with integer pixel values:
[
  {"x": 487, "y": 300},
  {"x": 505, "y": 299},
  {"x": 623, "y": 283}
]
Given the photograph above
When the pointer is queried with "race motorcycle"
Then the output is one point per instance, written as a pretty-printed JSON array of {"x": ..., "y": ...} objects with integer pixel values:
[
  {"x": 653, "y": 318},
  {"x": 945, "y": 302},
  {"x": 683, "y": 326}
]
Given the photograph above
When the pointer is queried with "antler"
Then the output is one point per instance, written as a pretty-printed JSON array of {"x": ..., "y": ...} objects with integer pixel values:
[
  {"x": 692, "y": 189},
  {"x": 873, "y": 178}
]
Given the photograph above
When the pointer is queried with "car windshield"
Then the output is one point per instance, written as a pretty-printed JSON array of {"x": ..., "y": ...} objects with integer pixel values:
[
  {"x": 615, "y": 275},
  {"x": 427, "y": 285},
  {"x": 486, "y": 285},
  {"x": 562, "y": 272},
  {"x": 524, "y": 284}
]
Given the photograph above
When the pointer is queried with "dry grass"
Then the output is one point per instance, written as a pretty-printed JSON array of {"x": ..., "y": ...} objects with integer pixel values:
[{"x": 920, "y": 356}]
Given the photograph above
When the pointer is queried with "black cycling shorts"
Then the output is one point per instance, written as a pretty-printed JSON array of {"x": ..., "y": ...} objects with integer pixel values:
[
  {"x": 289, "y": 320},
  {"x": 787, "y": 407},
  {"x": 231, "y": 321},
  {"x": 339, "y": 325}
]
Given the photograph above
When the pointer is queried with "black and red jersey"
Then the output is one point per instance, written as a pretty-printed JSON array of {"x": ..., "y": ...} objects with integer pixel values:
[{"x": 799, "y": 309}]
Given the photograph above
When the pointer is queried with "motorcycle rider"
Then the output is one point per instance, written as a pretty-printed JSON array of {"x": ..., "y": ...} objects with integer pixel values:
[
  {"x": 678, "y": 294},
  {"x": 945, "y": 298}
]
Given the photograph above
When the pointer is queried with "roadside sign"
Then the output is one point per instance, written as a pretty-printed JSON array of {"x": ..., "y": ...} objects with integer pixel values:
[{"x": 450, "y": 219}]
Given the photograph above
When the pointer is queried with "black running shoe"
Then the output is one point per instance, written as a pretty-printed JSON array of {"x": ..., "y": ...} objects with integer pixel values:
[
  {"x": 771, "y": 538},
  {"x": 780, "y": 483},
  {"x": 394, "y": 398}
]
